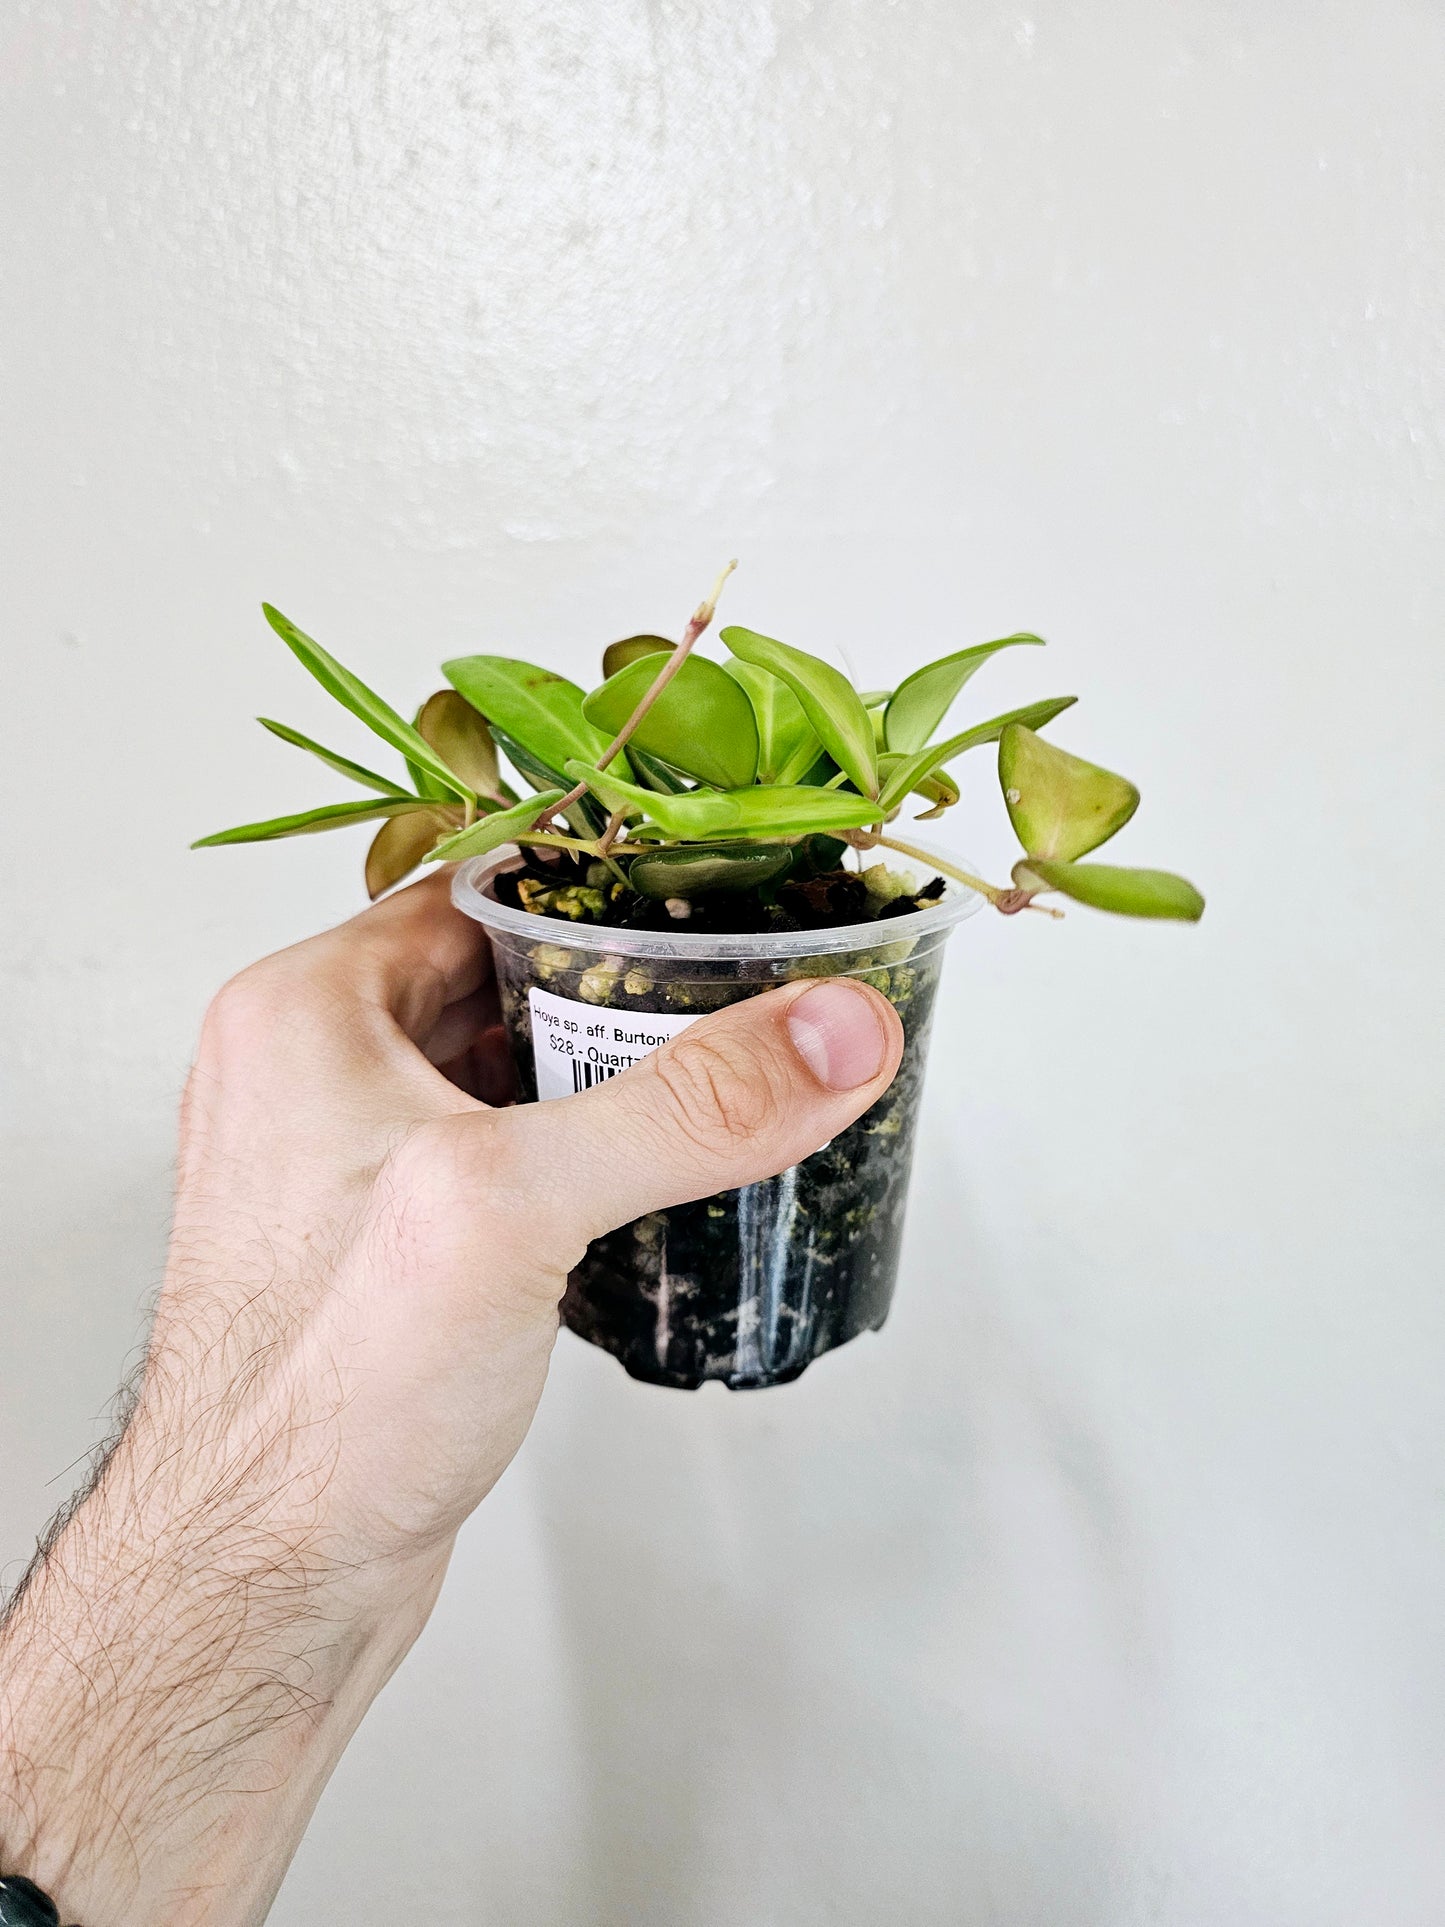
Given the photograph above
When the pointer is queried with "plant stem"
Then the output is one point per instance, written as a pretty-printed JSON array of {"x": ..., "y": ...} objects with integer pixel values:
[
  {"x": 701, "y": 617},
  {"x": 609, "y": 835},
  {"x": 554, "y": 840},
  {"x": 994, "y": 895}
]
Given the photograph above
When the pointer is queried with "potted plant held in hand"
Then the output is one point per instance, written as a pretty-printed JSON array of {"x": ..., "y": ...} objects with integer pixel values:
[{"x": 689, "y": 833}]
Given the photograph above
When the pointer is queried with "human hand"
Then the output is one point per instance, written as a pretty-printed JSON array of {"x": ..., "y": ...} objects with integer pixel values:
[{"x": 358, "y": 1313}]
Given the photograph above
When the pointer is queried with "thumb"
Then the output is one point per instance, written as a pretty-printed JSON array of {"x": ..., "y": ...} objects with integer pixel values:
[{"x": 737, "y": 1096}]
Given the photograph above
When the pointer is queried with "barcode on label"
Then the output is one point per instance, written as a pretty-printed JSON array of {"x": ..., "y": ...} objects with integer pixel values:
[
  {"x": 577, "y": 1045},
  {"x": 584, "y": 1076}
]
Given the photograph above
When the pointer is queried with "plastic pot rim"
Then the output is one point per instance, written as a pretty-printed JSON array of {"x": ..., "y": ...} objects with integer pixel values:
[{"x": 471, "y": 895}]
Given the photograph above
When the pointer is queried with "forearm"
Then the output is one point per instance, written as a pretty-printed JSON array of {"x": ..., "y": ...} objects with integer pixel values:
[{"x": 178, "y": 1679}]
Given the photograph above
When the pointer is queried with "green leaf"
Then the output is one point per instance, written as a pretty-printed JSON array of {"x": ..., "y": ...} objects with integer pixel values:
[
  {"x": 1060, "y": 806},
  {"x": 702, "y": 722},
  {"x": 822, "y": 772},
  {"x": 763, "y": 810},
  {"x": 489, "y": 832},
  {"x": 539, "y": 774},
  {"x": 332, "y": 816},
  {"x": 368, "y": 778},
  {"x": 1104, "y": 886},
  {"x": 904, "y": 773},
  {"x": 939, "y": 789},
  {"x": 427, "y": 787},
  {"x": 617, "y": 655},
  {"x": 593, "y": 817},
  {"x": 400, "y": 845},
  {"x": 538, "y": 709},
  {"x": 354, "y": 695},
  {"x": 656, "y": 774},
  {"x": 459, "y": 735},
  {"x": 788, "y": 744},
  {"x": 696, "y": 872},
  {"x": 922, "y": 700},
  {"x": 830, "y": 702}
]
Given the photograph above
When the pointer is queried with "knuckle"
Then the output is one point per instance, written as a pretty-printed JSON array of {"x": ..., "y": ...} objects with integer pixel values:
[
  {"x": 717, "y": 1092},
  {"x": 240, "y": 1011},
  {"x": 276, "y": 1002}
]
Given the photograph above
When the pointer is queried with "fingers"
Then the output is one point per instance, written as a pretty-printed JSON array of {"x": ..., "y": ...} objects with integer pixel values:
[
  {"x": 737, "y": 1097},
  {"x": 407, "y": 958},
  {"x": 414, "y": 953}
]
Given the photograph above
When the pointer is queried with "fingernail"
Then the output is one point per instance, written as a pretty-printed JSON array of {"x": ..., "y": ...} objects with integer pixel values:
[{"x": 836, "y": 1032}]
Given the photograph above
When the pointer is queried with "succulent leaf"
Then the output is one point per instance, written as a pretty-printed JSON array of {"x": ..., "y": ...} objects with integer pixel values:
[
  {"x": 399, "y": 846},
  {"x": 331, "y": 816},
  {"x": 788, "y": 745},
  {"x": 353, "y": 694},
  {"x": 537, "y": 708},
  {"x": 490, "y": 832},
  {"x": 763, "y": 809},
  {"x": 1105, "y": 886},
  {"x": 697, "y": 871},
  {"x": 1061, "y": 807},
  {"x": 358, "y": 773},
  {"x": 904, "y": 773},
  {"x": 830, "y": 702},
  {"x": 922, "y": 700},
  {"x": 702, "y": 722},
  {"x": 460, "y": 736},
  {"x": 617, "y": 655}
]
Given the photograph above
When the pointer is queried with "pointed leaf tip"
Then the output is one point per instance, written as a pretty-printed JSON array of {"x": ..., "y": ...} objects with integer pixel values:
[
  {"x": 830, "y": 702},
  {"x": 331, "y": 816},
  {"x": 343, "y": 765},
  {"x": 903, "y": 773},
  {"x": 490, "y": 832},
  {"x": 364, "y": 703},
  {"x": 922, "y": 700}
]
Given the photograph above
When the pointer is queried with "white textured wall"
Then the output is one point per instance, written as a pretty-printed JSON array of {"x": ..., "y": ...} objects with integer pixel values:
[{"x": 1107, "y": 1585}]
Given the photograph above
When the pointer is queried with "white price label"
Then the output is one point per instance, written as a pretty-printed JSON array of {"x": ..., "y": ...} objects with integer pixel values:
[{"x": 577, "y": 1045}]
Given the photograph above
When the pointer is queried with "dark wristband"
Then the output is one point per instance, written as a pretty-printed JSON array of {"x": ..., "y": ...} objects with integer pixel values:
[{"x": 23, "y": 1904}]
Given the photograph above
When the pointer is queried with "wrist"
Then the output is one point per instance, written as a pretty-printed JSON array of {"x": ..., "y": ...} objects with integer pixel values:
[{"x": 178, "y": 1679}]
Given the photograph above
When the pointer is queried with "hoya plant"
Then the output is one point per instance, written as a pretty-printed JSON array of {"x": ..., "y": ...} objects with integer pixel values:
[{"x": 684, "y": 776}]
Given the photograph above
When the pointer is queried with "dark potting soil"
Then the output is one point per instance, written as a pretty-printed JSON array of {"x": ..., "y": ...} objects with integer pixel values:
[
  {"x": 578, "y": 889},
  {"x": 748, "y": 1286}
]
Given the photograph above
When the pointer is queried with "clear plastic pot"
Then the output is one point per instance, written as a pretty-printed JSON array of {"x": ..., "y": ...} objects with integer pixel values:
[{"x": 749, "y": 1286}]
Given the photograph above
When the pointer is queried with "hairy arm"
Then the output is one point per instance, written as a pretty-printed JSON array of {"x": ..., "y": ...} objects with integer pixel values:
[
  {"x": 183, "y": 1667},
  {"x": 359, "y": 1308}
]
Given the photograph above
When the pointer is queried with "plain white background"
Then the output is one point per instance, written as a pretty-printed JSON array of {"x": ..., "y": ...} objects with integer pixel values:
[{"x": 1107, "y": 1584}]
